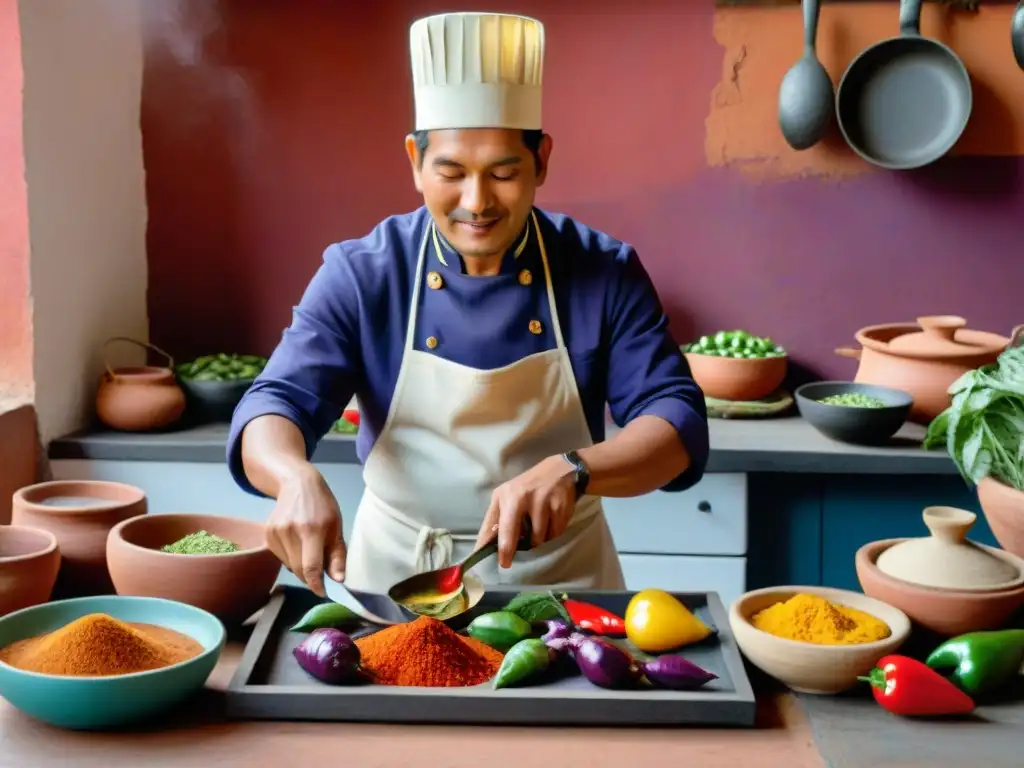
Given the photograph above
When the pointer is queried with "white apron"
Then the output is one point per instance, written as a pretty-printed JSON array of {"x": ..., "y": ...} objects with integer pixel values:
[{"x": 454, "y": 434}]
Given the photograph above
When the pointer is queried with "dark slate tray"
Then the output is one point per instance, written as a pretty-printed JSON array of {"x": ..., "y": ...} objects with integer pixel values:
[{"x": 269, "y": 684}]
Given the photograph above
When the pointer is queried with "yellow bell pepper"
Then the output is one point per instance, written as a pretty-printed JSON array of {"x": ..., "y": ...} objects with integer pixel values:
[{"x": 658, "y": 622}]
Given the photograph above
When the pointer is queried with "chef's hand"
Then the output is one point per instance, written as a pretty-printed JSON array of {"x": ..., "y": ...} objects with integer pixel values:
[
  {"x": 546, "y": 493},
  {"x": 304, "y": 530}
]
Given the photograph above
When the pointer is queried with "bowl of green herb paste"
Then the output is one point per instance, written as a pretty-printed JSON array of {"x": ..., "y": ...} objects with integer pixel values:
[
  {"x": 862, "y": 414},
  {"x": 218, "y": 563}
]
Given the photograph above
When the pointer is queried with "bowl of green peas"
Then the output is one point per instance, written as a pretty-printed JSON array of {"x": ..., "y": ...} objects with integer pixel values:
[
  {"x": 736, "y": 365},
  {"x": 214, "y": 384},
  {"x": 862, "y": 414}
]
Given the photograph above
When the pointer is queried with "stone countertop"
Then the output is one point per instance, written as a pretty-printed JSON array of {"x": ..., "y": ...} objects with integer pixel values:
[
  {"x": 199, "y": 734},
  {"x": 787, "y": 444}
]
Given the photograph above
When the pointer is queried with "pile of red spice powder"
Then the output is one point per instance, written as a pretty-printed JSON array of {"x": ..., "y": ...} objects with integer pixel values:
[{"x": 426, "y": 653}]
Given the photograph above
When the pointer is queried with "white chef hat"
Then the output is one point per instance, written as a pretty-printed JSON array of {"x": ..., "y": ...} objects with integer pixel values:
[{"x": 477, "y": 70}]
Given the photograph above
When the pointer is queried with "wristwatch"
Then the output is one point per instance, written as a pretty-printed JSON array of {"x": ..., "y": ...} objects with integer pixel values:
[{"x": 580, "y": 472}]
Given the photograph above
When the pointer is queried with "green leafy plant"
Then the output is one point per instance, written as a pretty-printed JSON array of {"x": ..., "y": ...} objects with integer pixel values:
[{"x": 983, "y": 429}]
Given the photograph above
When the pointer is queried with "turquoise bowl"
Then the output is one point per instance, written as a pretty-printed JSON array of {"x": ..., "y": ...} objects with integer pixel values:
[{"x": 93, "y": 703}]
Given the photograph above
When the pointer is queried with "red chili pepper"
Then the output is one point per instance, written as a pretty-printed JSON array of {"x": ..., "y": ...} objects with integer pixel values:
[
  {"x": 905, "y": 686},
  {"x": 351, "y": 416},
  {"x": 594, "y": 619}
]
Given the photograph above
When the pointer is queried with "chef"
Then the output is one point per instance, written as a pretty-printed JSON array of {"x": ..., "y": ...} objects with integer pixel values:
[{"x": 483, "y": 339}]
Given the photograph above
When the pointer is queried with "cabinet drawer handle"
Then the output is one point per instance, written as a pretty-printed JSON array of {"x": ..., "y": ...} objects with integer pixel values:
[{"x": 704, "y": 506}]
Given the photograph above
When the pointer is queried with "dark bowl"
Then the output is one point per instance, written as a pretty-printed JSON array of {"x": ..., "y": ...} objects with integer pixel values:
[
  {"x": 849, "y": 424},
  {"x": 213, "y": 400}
]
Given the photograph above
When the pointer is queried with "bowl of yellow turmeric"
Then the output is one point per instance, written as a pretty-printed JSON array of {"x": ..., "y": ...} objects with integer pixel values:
[{"x": 815, "y": 639}]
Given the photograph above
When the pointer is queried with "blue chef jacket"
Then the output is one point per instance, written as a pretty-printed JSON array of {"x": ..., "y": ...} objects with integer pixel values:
[{"x": 348, "y": 333}]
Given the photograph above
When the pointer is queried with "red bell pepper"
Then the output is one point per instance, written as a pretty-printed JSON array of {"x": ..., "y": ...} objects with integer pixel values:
[
  {"x": 905, "y": 686},
  {"x": 594, "y": 619},
  {"x": 351, "y": 415}
]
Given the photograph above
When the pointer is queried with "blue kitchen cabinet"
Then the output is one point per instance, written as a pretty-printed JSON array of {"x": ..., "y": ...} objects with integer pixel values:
[
  {"x": 784, "y": 529},
  {"x": 858, "y": 509}
]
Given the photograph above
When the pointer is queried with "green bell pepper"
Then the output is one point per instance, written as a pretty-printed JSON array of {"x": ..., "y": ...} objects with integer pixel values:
[
  {"x": 981, "y": 661},
  {"x": 525, "y": 660}
]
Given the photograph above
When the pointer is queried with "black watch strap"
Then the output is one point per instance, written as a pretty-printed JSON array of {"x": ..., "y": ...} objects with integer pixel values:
[{"x": 582, "y": 474}]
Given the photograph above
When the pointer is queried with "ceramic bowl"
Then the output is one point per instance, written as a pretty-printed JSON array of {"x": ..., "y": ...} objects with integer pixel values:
[
  {"x": 106, "y": 702},
  {"x": 231, "y": 586},
  {"x": 944, "y": 611},
  {"x": 1004, "y": 510},
  {"x": 808, "y": 667},
  {"x": 862, "y": 426},
  {"x": 29, "y": 561},
  {"x": 80, "y": 514},
  {"x": 213, "y": 401},
  {"x": 738, "y": 379}
]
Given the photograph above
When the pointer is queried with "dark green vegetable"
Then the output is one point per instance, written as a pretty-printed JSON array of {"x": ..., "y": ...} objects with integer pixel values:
[
  {"x": 223, "y": 367},
  {"x": 983, "y": 428},
  {"x": 736, "y": 344},
  {"x": 981, "y": 661},
  {"x": 538, "y": 606},
  {"x": 500, "y": 629},
  {"x": 524, "y": 661},
  {"x": 333, "y": 615},
  {"x": 853, "y": 400}
]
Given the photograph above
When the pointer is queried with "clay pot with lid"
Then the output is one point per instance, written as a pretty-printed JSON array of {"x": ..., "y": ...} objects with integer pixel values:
[
  {"x": 924, "y": 359},
  {"x": 80, "y": 515},
  {"x": 944, "y": 582},
  {"x": 139, "y": 398},
  {"x": 29, "y": 561}
]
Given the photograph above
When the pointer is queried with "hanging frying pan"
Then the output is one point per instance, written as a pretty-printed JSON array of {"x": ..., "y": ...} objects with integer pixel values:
[{"x": 904, "y": 102}]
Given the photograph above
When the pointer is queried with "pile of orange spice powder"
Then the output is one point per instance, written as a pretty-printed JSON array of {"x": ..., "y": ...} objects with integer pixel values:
[
  {"x": 426, "y": 653},
  {"x": 98, "y": 645}
]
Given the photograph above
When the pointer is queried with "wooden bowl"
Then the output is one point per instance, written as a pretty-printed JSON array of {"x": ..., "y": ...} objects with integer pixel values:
[
  {"x": 732, "y": 378},
  {"x": 808, "y": 667},
  {"x": 80, "y": 514},
  {"x": 946, "y": 612},
  {"x": 230, "y": 586},
  {"x": 29, "y": 562}
]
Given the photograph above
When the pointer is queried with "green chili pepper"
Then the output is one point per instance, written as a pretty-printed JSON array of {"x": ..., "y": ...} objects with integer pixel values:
[
  {"x": 524, "y": 660},
  {"x": 981, "y": 661},
  {"x": 333, "y": 615},
  {"x": 500, "y": 629}
]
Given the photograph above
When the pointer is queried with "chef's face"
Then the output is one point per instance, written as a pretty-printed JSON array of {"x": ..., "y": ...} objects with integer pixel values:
[{"x": 479, "y": 185}]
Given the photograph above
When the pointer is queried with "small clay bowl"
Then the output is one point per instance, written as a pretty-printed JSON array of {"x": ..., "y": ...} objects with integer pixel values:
[
  {"x": 737, "y": 379},
  {"x": 809, "y": 667},
  {"x": 848, "y": 424},
  {"x": 946, "y": 612},
  {"x": 1004, "y": 510},
  {"x": 230, "y": 586},
  {"x": 80, "y": 514},
  {"x": 29, "y": 562}
]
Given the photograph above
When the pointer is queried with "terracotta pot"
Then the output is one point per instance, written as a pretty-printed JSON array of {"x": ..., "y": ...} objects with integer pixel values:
[
  {"x": 139, "y": 398},
  {"x": 1004, "y": 509},
  {"x": 944, "y": 611},
  {"x": 29, "y": 561},
  {"x": 80, "y": 514},
  {"x": 231, "y": 586},
  {"x": 738, "y": 379},
  {"x": 923, "y": 359}
]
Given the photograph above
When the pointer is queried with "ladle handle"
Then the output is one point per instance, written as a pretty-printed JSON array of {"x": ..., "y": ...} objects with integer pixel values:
[
  {"x": 812, "y": 10},
  {"x": 491, "y": 547},
  {"x": 910, "y": 18}
]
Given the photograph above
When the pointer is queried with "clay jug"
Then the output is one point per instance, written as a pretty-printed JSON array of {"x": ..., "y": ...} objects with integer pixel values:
[{"x": 139, "y": 398}]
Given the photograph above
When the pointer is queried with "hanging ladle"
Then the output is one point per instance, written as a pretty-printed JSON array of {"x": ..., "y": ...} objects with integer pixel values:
[
  {"x": 1017, "y": 34},
  {"x": 806, "y": 96},
  {"x": 441, "y": 593}
]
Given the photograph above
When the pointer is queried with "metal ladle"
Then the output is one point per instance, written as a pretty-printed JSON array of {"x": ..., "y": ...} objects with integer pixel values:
[
  {"x": 806, "y": 96},
  {"x": 445, "y": 585},
  {"x": 1017, "y": 34}
]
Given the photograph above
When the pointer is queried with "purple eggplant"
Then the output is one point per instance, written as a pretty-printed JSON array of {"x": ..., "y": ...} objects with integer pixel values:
[
  {"x": 605, "y": 664},
  {"x": 329, "y": 655},
  {"x": 555, "y": 629},
  {"x": 675, "y": 672},
  {"x": 563, "y": 645}
]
